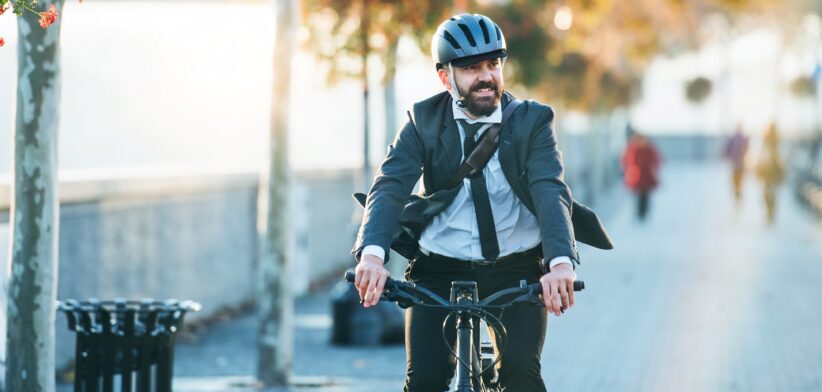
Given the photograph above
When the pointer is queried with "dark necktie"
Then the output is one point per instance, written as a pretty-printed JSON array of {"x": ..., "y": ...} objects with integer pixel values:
[{"x": 482, "y": 204}]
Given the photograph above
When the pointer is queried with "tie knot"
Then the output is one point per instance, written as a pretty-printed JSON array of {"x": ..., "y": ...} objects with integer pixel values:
[{"x": 471, "y": 129}]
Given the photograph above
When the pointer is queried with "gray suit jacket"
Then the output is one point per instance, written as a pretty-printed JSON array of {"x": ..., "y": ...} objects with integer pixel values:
[{"x": 430, "y": 146}]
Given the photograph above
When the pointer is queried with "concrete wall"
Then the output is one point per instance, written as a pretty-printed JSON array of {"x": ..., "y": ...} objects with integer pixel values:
[
  {"x": 694, "y": 148},
  {"x": 331, "y": 219},
  {"x": 592, "y": 159}
]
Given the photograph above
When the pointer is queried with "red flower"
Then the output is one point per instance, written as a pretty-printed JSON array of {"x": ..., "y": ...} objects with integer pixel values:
[
  {"x": 49, "y": 17},
  {"x": 2, "y": 41},
  {"x": 4, "y": 7}
]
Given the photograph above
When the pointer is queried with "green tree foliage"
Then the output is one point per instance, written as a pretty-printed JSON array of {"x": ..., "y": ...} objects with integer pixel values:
[
  {"x": 595, "y": 65},
  {"x": 528, "y": 40},
  {"x": 698, "y": 89},
  {"x": 598, "y": 62},
  {"x": 803, "y": 86},
  {"x": 334, "y": 29}
]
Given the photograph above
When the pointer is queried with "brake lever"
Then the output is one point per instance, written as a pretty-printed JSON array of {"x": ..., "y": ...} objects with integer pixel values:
[{"x": 403, "y": 299}]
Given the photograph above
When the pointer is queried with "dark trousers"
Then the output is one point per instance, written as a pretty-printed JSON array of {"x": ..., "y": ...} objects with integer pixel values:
[
  {"x": 643, "y": 203},
  {"x": 431, "y": 365}
]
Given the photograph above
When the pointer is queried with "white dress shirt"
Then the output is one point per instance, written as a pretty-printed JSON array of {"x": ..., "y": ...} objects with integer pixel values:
[{"x": 454, "y": 232}]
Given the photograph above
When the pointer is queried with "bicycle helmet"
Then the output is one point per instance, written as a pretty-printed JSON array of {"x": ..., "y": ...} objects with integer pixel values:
[{"x": 466, "y": 39}]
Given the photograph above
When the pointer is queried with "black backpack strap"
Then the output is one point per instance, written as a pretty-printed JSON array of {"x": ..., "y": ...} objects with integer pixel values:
[{"x": 485, "y": 149}]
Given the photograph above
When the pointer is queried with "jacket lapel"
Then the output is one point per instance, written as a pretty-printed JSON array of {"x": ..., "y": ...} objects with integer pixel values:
[
  {"x": 451, "y": 146},
  {"x": 507, "y": 160}
]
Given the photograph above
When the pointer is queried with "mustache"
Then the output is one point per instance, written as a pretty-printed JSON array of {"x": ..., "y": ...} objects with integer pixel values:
[{"x": 482, "y": 85}]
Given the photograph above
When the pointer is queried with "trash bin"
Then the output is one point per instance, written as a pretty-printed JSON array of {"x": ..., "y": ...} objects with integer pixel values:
[
  {"x": 344, "y": 302},
  {"x": 357, "y": 326},
  {"x": 130, "y": 339}
]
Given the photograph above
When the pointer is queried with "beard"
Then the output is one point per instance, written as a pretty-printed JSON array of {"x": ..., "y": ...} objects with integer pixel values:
[{"x": 483, "y": 106}]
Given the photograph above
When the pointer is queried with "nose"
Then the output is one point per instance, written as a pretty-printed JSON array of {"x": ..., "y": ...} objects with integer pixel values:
[{"x": 485, "y": 75}]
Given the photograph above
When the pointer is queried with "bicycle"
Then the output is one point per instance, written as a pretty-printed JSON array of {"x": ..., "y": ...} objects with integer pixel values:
[{"x": 476, "y": 370}]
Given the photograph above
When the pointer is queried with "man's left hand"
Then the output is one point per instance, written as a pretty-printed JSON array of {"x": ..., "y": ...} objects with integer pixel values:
[{"x": 558, "y": 288}]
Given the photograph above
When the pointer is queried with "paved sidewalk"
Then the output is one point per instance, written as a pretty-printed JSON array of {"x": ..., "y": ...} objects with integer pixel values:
[
  {"x": 226, "y": 354},
  {"x": 702, "y": 297}
]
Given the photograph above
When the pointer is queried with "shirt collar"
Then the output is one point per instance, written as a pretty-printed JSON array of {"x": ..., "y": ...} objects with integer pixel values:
[{"x": 493, "y": 118}]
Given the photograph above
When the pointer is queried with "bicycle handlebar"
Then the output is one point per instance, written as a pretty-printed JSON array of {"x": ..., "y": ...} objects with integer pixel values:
[{"x": 406, "y": 292}]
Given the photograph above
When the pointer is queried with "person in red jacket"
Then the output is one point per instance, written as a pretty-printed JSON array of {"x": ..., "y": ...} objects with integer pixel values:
[{"x": 640, "y": 162}]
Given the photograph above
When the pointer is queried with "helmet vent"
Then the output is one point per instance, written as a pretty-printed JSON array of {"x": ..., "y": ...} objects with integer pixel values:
[
  {"x": 499, "y": 33},
  {"x": 484, "y": 31},
  {"x": 450, "y": 38},
  {"x": 471, "y": 40}
]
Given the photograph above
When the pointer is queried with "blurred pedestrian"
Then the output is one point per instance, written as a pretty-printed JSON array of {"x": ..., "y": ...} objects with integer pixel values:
[
  {"x": 770, "y": 171},
  {"x": 641, "y": 162},
  {"x": 736, "y": 148}
]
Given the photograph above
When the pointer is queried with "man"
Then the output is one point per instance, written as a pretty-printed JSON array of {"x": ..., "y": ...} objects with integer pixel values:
[
  {"x": 770, "y": 171},
  {"x": 736, "y": 150},
  {"x": 640, "y": 162},
  {"x": 495, "y": 228}
]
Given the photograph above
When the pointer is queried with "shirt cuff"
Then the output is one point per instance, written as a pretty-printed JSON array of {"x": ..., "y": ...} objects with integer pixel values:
[
  {"x": 557, "y": 261},
  {"x": 375, "y": 250}
]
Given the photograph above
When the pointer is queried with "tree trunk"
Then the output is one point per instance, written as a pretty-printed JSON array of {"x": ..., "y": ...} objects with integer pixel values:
[
  {"x": 390, "y": 90},
  {"x": 275, "y": 307},
  {"x": 35, "y": 209},
  {"x": 364, "y": 33}
]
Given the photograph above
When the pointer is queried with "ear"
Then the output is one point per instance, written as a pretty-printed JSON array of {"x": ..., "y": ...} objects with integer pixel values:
[{"x": 443, "y": 74}]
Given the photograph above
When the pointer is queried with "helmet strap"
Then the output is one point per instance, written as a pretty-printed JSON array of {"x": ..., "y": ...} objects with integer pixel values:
[{"x": 455, "y": 92}]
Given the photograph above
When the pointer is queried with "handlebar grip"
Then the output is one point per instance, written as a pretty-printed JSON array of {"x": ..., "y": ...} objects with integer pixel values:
[
  {"x": 351, "y": 275},
  {"x": 579, "y": 285}
]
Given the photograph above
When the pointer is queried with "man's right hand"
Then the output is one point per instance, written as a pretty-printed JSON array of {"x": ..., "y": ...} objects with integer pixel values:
[{"x": 370, "y": 279}]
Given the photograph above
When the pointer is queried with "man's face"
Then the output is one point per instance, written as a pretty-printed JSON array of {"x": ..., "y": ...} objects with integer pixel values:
[{"x": 480, "y": 83}]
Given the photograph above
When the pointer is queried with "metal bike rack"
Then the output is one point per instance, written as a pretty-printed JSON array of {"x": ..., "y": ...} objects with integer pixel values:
[{"x": 130, "y": 339}]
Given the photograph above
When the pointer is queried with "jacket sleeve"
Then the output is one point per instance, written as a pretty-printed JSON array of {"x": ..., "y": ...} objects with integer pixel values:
[
  {"x": 399, "y": 172},
  {"x": 552, "y": 197}
]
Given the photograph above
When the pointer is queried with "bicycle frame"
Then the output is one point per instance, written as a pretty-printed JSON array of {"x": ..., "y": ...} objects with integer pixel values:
[{"x": 464, "y": 302}]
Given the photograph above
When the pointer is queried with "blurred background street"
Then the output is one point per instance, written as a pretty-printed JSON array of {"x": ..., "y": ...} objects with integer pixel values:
[
  {"x": 692, "y": 127},
  {"x": 733, "y": 308}
]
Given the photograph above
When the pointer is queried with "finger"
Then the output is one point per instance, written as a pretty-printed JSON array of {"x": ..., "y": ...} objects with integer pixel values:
[
  {"x": 555, "y": 299},
  {"x": 571, "y": 294},
  {"x": 357, "y": 277},
  {"x": 563, "y": 294},
  {"x": 380, "y": 287},
  {"x": 363, "y": 287},
  {"x": 550, "y": 298},
  {"x": 546, "y": 294},
  {"x": 372, "y": 286}
]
